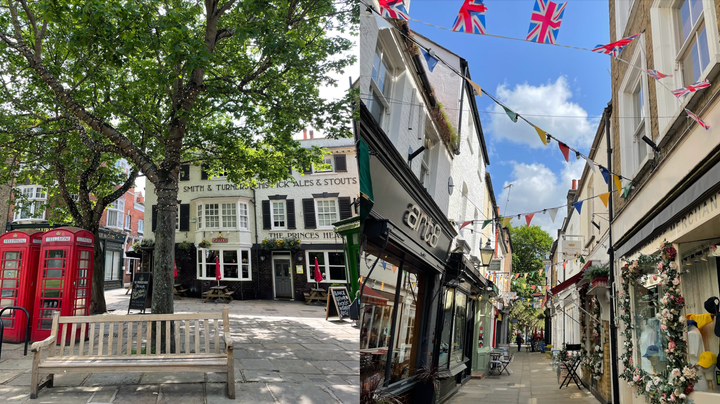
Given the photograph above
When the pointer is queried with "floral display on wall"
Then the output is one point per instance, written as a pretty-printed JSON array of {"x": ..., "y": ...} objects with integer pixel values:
[
  {"x": 593, "y": 359},
  {"x": 675, "y": 383}
]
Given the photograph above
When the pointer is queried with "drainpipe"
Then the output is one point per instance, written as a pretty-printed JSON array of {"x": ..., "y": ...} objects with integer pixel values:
[
  {"x": 611, "y": 253},
  {"x": 257, "y": 256}
]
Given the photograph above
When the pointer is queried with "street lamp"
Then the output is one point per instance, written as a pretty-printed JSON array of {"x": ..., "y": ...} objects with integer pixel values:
[{"x": 486, "y": 254}]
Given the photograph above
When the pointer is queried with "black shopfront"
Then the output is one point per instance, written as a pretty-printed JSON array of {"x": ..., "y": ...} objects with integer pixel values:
[{"x": 407, "y": 239}]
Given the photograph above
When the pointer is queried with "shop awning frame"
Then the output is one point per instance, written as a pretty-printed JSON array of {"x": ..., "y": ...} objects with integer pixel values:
[{"x": 570, "y": 281}]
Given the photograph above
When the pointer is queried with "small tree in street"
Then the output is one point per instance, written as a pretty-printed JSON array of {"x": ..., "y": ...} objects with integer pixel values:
[{"x": 163, "y": 83}]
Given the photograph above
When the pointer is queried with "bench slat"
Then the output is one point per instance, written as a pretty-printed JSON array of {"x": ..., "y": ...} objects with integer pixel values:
[
  {"x": 177, "y": 336},
  {"x": 92, "y": 339},
  {"x": 62, "y": 339},
  {"x": 148, "y": 340},
  {"x": 125, "y": 359},
  {"x": 168, "y": 347},
  {"x": 187, "y": 336},
  {"x": 72, "y": 340},
  {"x": 101, "y": 338},
  {"x": 120, "y": 338},
  {"x": 158, "y": 336},
  {"x": 111, "y": 331},
  {"x": 138, "y": 344},
  {"x": 129, "y": 339},
  {"x": 82, "y": 340},
  {"x": 139, "y": 317},
  {"x": 207, "y": 336},
  {"x": 216, "y": 322},
  {"x": 197, "y": 336}
]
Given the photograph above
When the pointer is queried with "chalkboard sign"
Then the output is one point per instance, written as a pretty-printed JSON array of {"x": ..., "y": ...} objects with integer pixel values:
[
  {"x": 140, "y": 291},
  {"x": 340, "y": 306}
]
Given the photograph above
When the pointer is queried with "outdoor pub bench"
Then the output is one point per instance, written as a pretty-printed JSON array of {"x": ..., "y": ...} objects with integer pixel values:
[{"x": 120, "y": 346}]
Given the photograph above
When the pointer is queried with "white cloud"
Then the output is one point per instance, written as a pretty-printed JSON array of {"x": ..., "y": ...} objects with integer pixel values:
[
  {"x": 536, "y": 187},
  {"x": 568, "y": 122}
]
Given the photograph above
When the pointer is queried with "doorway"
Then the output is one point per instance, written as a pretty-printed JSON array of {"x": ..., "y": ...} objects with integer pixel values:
[{"x": 281, "y": 272}]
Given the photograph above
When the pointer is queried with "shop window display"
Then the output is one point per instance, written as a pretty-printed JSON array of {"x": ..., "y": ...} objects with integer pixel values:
[
  {"x": 460, "y": 324},
  {"x": 379, "y": 334},
  {"x": 649, "y": 337},
  {"x": 445, "y": 339}
]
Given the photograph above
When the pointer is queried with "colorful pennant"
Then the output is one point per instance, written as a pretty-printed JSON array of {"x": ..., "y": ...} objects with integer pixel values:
[
  {"x": 605, "y": 174},
  {"x": 616, "y": 47},
  {"x": 565, "y": 151},
  {"x": 578, "y": 205},
  {"x": 465, "y": 224},
  {"x": 431, "y": 60},
  {"x": 545, "y": 21},
  {"x": 394, "y": 9},
  {"x": 618, "y": 184},
  {"x": 604, "y": 198},
  {"x": 697, "y": 119},
  {"x": 506, "y": 221},
  {"x": 553, "y": 213},
  {"x": 475, "y": 86},
  {"x": 528, "y": 218},
  {"x": 513, "y": 116},
  {"x": 486, "y": 222},
  {"x": 542, "y": 134},
  {"x": 471, "y": 17}
]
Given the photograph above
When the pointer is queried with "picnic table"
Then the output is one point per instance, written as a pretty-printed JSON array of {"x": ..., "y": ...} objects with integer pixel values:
[
  {"x": 179, "y": 290},
  {"x": 218, "y": 292},
  {"x": 315, "y": 294}
]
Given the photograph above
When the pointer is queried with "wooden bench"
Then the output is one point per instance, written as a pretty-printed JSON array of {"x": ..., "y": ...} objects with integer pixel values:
[
  {"x": 179, "y": 291},
  {"x": 124, "y": 344},
  {"x": 315, "y": 294}
]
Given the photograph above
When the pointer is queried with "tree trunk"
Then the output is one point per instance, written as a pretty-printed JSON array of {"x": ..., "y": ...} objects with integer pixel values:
[
  {"x": 97, "y": 292},
  {"x": 164, "y": 254}
]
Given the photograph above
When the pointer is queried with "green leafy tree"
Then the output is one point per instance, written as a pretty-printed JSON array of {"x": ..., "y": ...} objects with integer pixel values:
[
  {"x": 162, "y": 83},
  {"x": 78, "y": 183}
]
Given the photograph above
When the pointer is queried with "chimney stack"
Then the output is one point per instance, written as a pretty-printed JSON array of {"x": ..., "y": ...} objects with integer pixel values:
[
  {"x": 311, "y": 134},
  {"x": 571, "y": 196},
  {"x": 304, "y": 134}
]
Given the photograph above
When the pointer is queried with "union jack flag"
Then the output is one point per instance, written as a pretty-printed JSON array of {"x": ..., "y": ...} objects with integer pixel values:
[
  {"x": 394, "y": 9},
  {"x": 613, "y": 49},
  {"x": 657, "y": 75},
  {"x": 471, "y": 17},
  {"x": 681, "y": 92},
  {"x": 697, "y": 119},
  {"x": 545, "y": 21}
]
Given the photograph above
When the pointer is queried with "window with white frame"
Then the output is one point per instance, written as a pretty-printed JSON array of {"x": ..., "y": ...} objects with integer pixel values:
[
  {"x": 693, "y": 55},
  {"x": 243, "y": 217},
  {"x": 141, "y": 226},
  {"x": 380, "y": 84},
  {"x": 128, "y": 221},
  {"x": 330, "y": 263},
  {"x": 633, "y": 106},
  {"x": 278, "y": 218},
  {"x": 326, "y": 211},
  {"x": 234, "y": 264},
  {"x": 116, "y": 214},
  {"x": 30, "y": 204},
  {"x": 222, "y": 215},
  {"x": 326, "y": 167}
]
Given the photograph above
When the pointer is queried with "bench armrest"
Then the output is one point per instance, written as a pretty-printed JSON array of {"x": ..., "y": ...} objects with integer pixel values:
[
  {"x": 36, "y": 346},
  {"x": 228, "y": 341}
]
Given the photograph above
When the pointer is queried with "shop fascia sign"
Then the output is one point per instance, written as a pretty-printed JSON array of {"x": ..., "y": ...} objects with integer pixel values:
[
  {"x": 421, "y": 223},
  {"x": 572, "y": 247}
]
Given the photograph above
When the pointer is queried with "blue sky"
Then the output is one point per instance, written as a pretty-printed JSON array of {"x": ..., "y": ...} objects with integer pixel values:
[{"x": 533, "y": 79}]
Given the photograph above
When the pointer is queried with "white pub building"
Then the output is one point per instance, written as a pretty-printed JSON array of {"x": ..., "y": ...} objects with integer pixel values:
[{"x": 265, "y": 239}]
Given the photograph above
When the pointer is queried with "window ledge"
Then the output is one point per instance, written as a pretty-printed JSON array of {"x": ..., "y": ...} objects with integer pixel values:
[{"x": 644, "y": 166}]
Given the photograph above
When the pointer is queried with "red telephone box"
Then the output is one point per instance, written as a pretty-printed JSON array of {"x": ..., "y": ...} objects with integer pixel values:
[
  {"x": 19, "y": 251},
  {"x": 64, "y": 277}
]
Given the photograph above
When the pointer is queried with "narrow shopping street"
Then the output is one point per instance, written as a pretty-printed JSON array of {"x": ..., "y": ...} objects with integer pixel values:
[{"x": 533, "y": 381}]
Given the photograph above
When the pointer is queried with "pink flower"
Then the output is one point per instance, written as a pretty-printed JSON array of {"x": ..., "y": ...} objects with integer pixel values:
[
  {"x": 671, "y": 345},
  {"x": 663, "y": 327}
]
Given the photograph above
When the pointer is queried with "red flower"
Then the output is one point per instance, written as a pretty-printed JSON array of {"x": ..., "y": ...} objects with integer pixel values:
[
  {"x": 689, "y": 389},
  {"x": 670, "y": 253},
  {"x": 680, "y": 300}
]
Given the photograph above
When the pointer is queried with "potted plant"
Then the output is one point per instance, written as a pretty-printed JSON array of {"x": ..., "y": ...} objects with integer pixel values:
[
  {"x": 373, "y": 393},
  {"x": 204, "y": 244},
  {"x": 429, "y": 390},
  {"x": 598, "y": 275}
]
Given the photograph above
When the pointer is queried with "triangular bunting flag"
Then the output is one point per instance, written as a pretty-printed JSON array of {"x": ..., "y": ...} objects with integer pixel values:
[
  {"x": 604, "y": 198},
  {"x": 590, "y": 164},
  {"x": 384, "y": 265},
  {"x": 578, "y": 206},
  {"x": 565, "y": 151},
  {"x": 486, "y": 222},
  {"x": 430, "y": 59},
  {"x": 465, "y": 224},
  {"x": 618, "y": 184},
  {"x": 564, "y": 264},
  {"x": 394, "y": 268},
  {"x": 506, "y": 221},
  {"x": 582, "y": 259},
  {"x": 516, "y": 276},
  {"x": 475, "y": 86},
  {"x": 605, "y": 174},
  {"x": 626, "y": 190},
  {"x": 547, "y": 267},
  {"x": 533, "y": 287},
  {"x": 513, "y": 116},
  {"x": 542, "y": 134},
  {"x": 553, "y": 213},
  {"x": 528, "y": 218}
]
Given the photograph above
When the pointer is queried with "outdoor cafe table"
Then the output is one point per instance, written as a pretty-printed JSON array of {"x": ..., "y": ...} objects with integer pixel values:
[
  {"x": 495, "y": 362},
  {"x": 218, "y": 292},
  {"x": 316, "y": 294}
]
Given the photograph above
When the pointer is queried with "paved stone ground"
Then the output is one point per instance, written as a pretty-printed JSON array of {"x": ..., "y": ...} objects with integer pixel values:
[
  {"x": 533, "y": 381},
  {"x": 285, "y": 352}
]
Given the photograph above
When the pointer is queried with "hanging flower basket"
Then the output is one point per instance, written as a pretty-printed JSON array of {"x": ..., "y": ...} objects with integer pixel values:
[
  {"x": 204, "y": 244},
  {"x": 600, "y": 282},
  {"x": 287, "y": 243}
]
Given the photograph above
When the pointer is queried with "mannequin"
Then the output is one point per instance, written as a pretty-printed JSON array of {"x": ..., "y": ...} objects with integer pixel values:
[
  {"x": 695, "y": 342},
  {"x": 647, "y": 339},
  {"x": 706, "y": 371}
]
